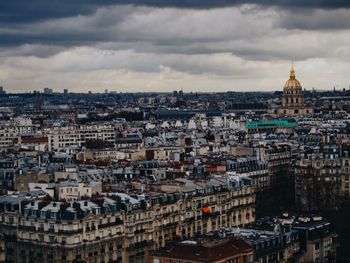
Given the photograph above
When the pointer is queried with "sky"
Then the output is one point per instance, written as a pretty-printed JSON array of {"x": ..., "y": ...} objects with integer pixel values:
[{"x": 164, "y": 45}]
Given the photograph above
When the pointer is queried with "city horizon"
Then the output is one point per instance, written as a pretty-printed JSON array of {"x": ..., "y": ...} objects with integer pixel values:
[
  {"x": 184, "y": 90},
  {"x": 165, "y": 90},
  {"x": 35, "y": 91}
]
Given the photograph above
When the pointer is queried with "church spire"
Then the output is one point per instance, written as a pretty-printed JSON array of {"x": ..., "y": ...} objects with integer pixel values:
[{"x": 292, "y": 72}]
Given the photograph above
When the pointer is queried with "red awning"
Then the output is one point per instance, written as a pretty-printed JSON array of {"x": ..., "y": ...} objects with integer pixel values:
[{"x": 206, "y": 209}]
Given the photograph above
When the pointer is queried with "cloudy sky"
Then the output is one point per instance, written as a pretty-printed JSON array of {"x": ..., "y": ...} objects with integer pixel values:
[{"x": 162, "y": 45}]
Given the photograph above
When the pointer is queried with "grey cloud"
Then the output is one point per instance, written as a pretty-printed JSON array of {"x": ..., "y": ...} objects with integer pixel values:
[
  {"x": 234, "y": 42},
  {"x": 23, "y": 11},
  {"x": 315, "y": 19},
  {"x": 171, "y": 29},
  {"x": 247, "y": 32}
]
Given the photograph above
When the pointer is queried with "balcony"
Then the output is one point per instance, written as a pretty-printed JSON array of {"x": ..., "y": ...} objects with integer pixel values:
[
  {"x": 70, "y": 232},
  {"x": 210, "y": 215},
  {"x": 166, "y": 214},
  {"x": 139, "y": 231},
  {"x": 140, "y": 244},
  {"x": 170, "y": 225},
  {"x": 190, "y": 219},
  {"x": 117, "y": 222},
  {"x": 27, "y": 228}
]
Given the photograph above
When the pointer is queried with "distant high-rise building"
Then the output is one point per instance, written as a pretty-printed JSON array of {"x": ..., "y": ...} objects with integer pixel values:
[
  {"x": 65, "y": 91},
  {"x": 106, "y": 91},
  {"x": 48, "y": 91},
  {"x": 2, "y": 91}
]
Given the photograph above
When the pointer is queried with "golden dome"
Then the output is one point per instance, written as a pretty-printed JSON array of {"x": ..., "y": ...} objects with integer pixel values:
[{"x": 292, "y": 83}]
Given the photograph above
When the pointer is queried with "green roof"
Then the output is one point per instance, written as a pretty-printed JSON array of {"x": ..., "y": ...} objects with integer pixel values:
[{"x": 270, "y": 124}]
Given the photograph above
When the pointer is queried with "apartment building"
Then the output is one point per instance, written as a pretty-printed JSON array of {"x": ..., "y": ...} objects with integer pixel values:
[
  {"x": 345, "y": 173},
  {"x": 120, "y": 227},
  {"x": 104, "y": 154},
  {"x": 322, "y": 177},
  {"x": 2, "y": 249},
  {"x": 279, "y": 244},
  {"x": 12, "y": 129},
  {"x": 278, "y": 158},
  {"x": 183, "y": 209},
  {"x": 72, "y": 190},
  {"x": 8, "y": 136},
  {"x": 34, "y": 143},
  {"x": 205, "y": 250},
  {"x": 317, "y": 240},
  {"x": 80, "y": 135},
  {"x": 253, "y": 168},
  {"x": 281, "y": 179},
  {"x": 61, "y": 232},
  {"x": 10, "y": 210}
]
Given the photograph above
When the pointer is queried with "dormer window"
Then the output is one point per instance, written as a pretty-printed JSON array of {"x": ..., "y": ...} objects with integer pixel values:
[
  {"x": 27, "y": 212},
  {"x": 43, "y": 214}
]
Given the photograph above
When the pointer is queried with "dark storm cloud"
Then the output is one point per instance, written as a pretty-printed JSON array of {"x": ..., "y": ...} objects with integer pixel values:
[
  {"x": 22, "y": 21},
  {"x": 21, "y": 11},
  {"x": 177, "y": 31},
  {"x": 316, "y": 19}
]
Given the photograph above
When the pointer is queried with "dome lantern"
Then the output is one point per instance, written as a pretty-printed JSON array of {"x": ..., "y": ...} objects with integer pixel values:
[{"x": 292, "y": 73}]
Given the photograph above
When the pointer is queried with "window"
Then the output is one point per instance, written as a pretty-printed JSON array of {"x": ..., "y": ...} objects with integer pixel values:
[{"x": 317, "y": 246}]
